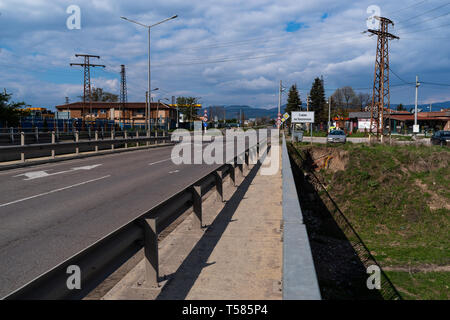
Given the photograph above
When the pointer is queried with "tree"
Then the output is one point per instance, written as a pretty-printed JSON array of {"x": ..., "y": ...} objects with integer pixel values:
[
  {"x": 10, "y": 112},
  {"x": 187, "y": 107},
  {"x": 348, "y": 95},
  {"x": 400, "y": 107},
  {"x": 364, "y": 100},
  {"x": 338, "y": 103},
  {"x": 294, "y": 103},
  {"x": 317, "y": 101},
  {"x": 98, "y": 95}
]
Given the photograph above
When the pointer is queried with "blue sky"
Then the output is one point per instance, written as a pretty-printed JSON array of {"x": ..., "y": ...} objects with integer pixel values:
[{"x": 226, "y": 52}]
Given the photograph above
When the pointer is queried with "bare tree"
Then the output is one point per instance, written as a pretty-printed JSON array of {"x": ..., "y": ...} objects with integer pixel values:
[
  {"x": 364, "y": 99},
  {"x": 348, "y": 94}
]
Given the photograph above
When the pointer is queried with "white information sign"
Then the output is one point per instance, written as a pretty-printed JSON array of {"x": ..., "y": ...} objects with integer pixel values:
[{"x": 302, "y": 117}]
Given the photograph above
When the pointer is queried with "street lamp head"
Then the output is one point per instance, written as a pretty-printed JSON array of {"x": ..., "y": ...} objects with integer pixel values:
[{"x": 175, "y": 16}]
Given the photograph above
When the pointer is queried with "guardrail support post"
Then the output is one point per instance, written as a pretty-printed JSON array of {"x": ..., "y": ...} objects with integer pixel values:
[
  {"x": 137, "y": 138},
  {"x": 96, "y": 139},
  {"x": 151, "y": 253},
  {"x": 219, "y": 184},
  {"x": 253, "y": 156},
  {"x": 53, "y": 142},
  {"x": 112, "y": 139},
  {"x": 77, "y": 138},
  {"x": 197, "y": 204},
  {"x": 247, "y": 162},
  {"x": 233, "y": 174},
  {"x": 125, "y": 136},
  {"x": 22, "y": 143}
]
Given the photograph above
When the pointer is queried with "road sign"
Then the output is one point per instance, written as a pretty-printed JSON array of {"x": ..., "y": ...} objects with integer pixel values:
[
  {"x": 285, "y": 117},
  {"x": 416, "y": 129},
  {"x": 302, "y": 117}
]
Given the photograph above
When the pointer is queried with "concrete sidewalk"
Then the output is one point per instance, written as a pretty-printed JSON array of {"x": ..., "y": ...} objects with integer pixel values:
[{"x": 239, "y": 255}]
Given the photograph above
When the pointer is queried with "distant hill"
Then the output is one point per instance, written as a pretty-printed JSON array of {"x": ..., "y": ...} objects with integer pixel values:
[
  {"x": 233, "y": 111},
  {"x": 426, "y": 107}
]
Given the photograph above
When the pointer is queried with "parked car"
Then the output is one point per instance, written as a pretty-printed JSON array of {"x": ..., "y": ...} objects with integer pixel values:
[
  {"x": 441, "y": 138},
  {"x": 337, "y": 136}
]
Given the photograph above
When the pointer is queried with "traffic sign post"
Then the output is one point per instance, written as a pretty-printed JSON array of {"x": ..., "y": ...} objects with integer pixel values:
[
  {"x": 304, "y": 117},
  {"x": 205, "y": 120}
]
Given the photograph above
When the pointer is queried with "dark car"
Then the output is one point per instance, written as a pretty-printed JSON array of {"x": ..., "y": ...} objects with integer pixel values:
[{"x": 441, "y": 138}]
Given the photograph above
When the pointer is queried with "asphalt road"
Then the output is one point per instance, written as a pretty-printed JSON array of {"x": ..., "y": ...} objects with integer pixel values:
[{"x": 50, "y": 212}]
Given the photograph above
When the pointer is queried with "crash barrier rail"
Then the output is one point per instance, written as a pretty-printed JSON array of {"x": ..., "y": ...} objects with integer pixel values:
[
  {"x": 53, "y": 147},
  {"x": 107, "y": 254},
  {"x": 387, "y": 289},
  {"x": 299, "y": 274},
  {"x": 14, "y": 136}
]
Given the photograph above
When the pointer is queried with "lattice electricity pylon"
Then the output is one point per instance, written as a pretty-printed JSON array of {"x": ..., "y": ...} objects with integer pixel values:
[
  {"x": 381, "y": 91},
  {"x": 123, "y": 90},
  {"x": 87, "y": 79}
]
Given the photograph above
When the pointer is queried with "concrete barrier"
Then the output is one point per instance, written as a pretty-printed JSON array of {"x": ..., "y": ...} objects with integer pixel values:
[{"x": 299, "y": 274}]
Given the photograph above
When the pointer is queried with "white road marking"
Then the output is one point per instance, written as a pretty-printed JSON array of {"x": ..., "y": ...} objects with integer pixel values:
[
  {"x": 176, "y": 171},
  {"x": 41, "y": 174},
  {"x": 53, "y": 191},
  {"x": 150, "y": 164}
]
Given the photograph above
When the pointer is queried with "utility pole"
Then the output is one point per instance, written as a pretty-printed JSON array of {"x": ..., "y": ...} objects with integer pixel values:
[
  {"x": 307, "y": 110},
  {"x": 279, "y": 104},
  {"x": 123, "y": 92},
  {"x": 381, "y": 75},
  {"x": 178, "y": 114},
  {"x": 87, "y": 78},
  {"x": 329, "y": 113},
  {"x": 416, "y": 101},
  {"x": 147, "y": 115}
]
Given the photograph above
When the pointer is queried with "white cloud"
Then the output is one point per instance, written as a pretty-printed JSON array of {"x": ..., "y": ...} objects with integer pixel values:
[{"x": 227, "y": 52}]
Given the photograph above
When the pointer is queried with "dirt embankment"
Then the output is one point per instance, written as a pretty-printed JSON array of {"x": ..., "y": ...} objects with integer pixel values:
[{"x": 327, "y": 158}]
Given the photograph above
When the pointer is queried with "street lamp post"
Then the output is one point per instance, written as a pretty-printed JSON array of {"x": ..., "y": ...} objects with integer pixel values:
[{"x": 148, "y": 28}]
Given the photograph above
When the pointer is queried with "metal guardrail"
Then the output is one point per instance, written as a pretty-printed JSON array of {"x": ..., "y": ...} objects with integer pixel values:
[
  {"x": 23, "y": 148},
  {"x": 107, "y": 254},
  {"x": 299, "y": 274},
  {"x": 13, "y": 136}
]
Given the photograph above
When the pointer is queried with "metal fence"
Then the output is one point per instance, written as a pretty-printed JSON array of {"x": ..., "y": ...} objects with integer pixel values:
[{"x": 94, "y": 141}]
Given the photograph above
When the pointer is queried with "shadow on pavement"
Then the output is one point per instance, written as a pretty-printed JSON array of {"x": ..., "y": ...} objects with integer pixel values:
[{"x": 181, "y": 282}]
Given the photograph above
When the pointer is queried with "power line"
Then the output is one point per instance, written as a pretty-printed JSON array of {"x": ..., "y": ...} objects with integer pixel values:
[
  {"x": 247, "y": 56},
  {"x": 423, "y": 21},
  {"x": 435, "y": 84},
  {"x": 395, "y": 74},
  {"x": 411, "y": 6},
  {"x": 417, "y": 31},
  {"x": 423, "y": 13}
]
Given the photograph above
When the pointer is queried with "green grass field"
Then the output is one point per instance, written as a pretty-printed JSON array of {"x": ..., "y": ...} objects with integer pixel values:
[{"x": 398, "y": 200}]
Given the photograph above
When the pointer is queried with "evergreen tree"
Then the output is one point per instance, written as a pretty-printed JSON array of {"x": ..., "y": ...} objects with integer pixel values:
[
  {"x": 294, "y": 103},
  {"x": 10, "y": 112},
  {"x": 317, "y": 101}
]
